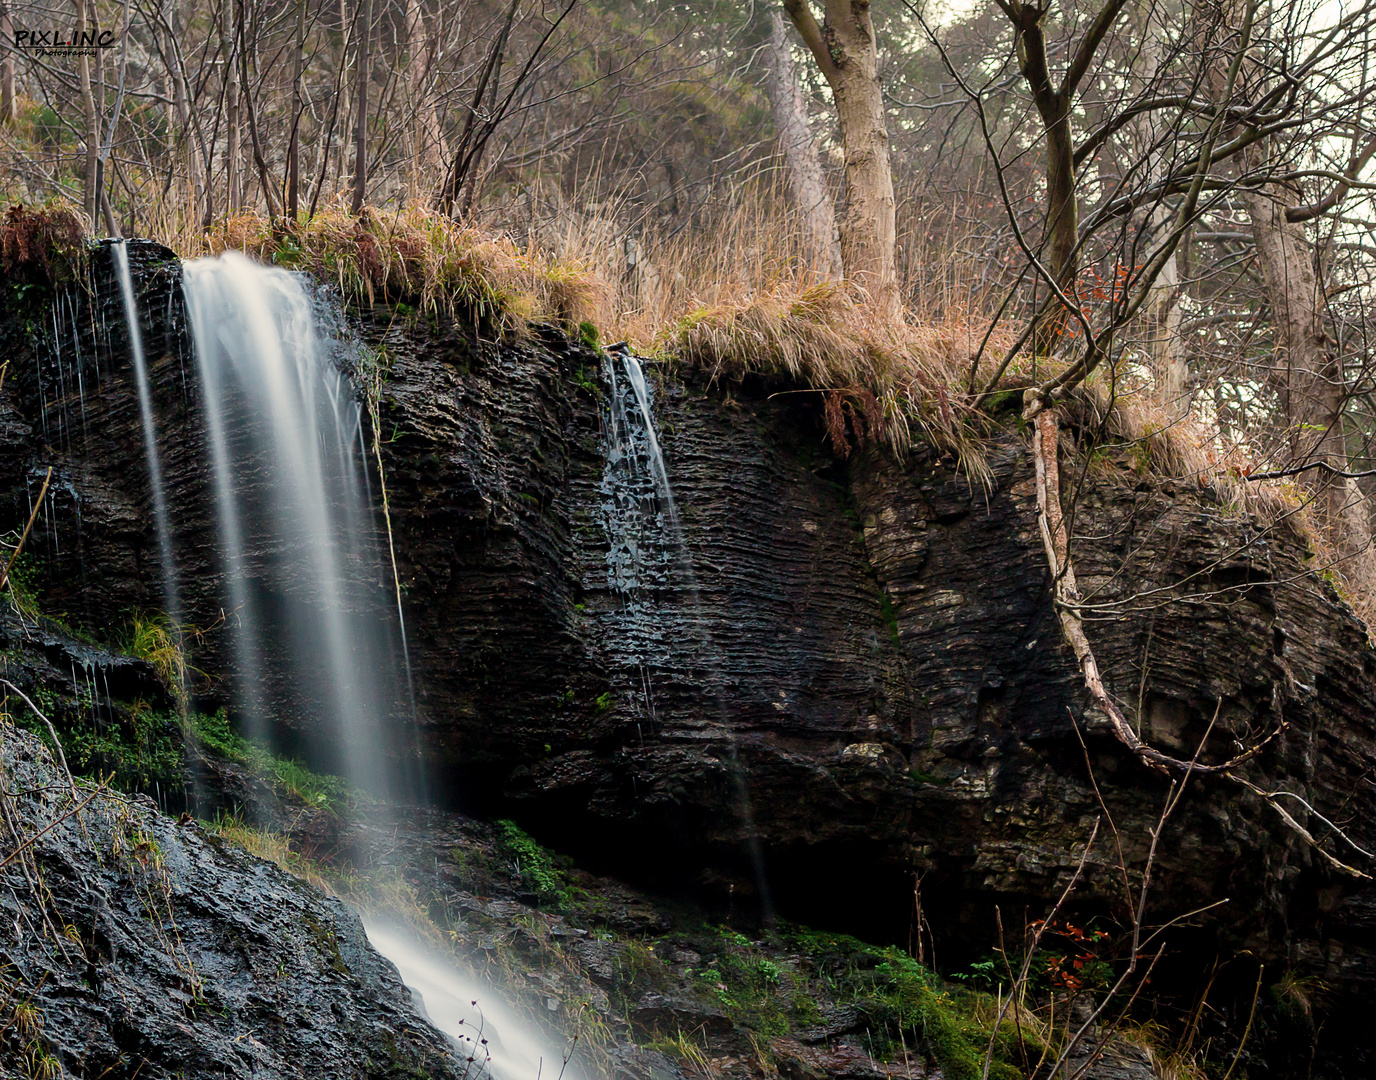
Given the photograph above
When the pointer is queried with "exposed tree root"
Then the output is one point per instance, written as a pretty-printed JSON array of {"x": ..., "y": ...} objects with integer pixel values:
[{"x": 1056, "y": 541}]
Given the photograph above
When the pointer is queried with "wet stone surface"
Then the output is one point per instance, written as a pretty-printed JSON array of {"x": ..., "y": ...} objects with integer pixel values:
[{"x": 140, "y": 945}]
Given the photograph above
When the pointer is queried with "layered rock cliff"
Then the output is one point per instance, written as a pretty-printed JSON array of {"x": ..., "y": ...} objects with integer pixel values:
[{"x": 843, "y": 684}]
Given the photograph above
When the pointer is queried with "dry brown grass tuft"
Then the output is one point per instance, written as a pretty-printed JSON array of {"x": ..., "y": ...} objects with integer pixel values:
[
  {"x": 423, "y": 259},
  {"x": 46, "y": 241},
  {"x": 1191, "y": 450},
  {"x": 880, "y": 382},
  {"x": 1188, "y": 449},
  {"x": 272, "y": 847}
]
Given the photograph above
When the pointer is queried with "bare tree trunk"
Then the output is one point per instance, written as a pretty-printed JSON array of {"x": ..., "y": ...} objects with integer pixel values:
[
  {"x": 1062, "y": 213},
  {"x": 365, "y": 31},
  {"x": 201, "y": 211},
  {"x": 1054, "y": 99},
  {"x": 805, "y": 177},
  {"x": 102, "y": 196},
  {"x": 847, "y": 55},
  {"x": 84, "y": 25},
  {"x": 430, "y": 152},
  {"x": 337, "y": 107},
  {"x": 234, "y": 136},
  {"x": 298, "y": 107},
  {"x": 1314, "y": 391},
  {"x": 1161, "y": 312},
  {"x": 247, "y": 48},
  {"x": 8, "y": 105}
]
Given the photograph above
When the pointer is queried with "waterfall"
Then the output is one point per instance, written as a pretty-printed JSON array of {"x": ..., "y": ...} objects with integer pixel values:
[
  {"x": 315, "y": 621},
  {"x": 120, "y": 251},
  {"x": 305, "y": 583}
]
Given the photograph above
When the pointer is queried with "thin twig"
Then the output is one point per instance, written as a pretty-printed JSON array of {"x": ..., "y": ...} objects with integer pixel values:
[
  {"x": 1251, "y": 1014},
  {"x": 38, "y": 505},
  {"x": 51, "y": 826},
  {"x": 57, "y": 743}
]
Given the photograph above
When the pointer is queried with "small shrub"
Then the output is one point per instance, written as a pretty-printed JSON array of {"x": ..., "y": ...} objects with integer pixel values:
[
  {"x": 144, "y": 751},
  {"x": 534, "y": 864}
]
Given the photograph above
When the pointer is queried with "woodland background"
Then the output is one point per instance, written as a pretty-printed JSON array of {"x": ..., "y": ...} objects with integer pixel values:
[{"x": 1162, "y": 207}]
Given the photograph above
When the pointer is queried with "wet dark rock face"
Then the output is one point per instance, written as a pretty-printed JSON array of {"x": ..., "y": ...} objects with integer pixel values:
[
  {"x": 864, "y": 664},
  {"x": 847, "y": 674},
  {"x": 148, "y": 947}
]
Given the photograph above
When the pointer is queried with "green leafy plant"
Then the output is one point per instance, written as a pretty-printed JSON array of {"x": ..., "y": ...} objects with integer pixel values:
[
  {"x": 982, "y": 974},
  {"x": 534, "y": 864}
]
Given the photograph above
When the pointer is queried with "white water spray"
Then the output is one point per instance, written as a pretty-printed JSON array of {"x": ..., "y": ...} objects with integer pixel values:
[
  {"x": 301, "y": 556},
  {"x": 502, "y": 1044}
]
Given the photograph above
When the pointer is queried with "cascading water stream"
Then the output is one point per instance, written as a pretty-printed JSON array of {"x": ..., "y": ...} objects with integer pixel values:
[
  {"x": 502, "y": 1045},
  {"x": 308, "y": 591},
  {"x": 302, "y": 563},
  {"x": 635, "y": 375},
  {"x": 120, "y": 252},
  {"x": 633, "y": 458}
]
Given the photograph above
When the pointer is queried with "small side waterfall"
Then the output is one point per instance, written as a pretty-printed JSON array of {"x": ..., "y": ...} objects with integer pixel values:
[
  {"x": 120, "y": 252},
  {"x": 647, "y": 553},
  {"x": 306, "y": 587}
]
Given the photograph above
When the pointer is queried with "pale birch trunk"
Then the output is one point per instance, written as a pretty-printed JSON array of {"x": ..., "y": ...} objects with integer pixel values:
[
  {"x": 429, "y": 149},
  {"x": 806, "y": 180},
  {"x": 1310, "y": 379},
  {"x": 1161, "y": 312},
  {"x": 846, "y": 53},
  {"x": 84, "y": 25}
]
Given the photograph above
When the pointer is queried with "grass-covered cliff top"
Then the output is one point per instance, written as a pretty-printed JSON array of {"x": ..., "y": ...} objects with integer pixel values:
[{"x": 878, "y": 383}]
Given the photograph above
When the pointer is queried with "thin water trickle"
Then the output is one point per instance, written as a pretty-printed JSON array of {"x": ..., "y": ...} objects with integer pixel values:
[
  {"x": 120, "y": 251},
  {"x": 642, "y": 523}
]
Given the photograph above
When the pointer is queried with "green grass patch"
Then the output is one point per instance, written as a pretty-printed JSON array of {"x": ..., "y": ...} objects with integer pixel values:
[
  {"x": 747, "y": 985},
  {"x": 214, "y": 733},
  {"x": 534, "y": 865},
  {"x": 911, "y": 1006}
]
